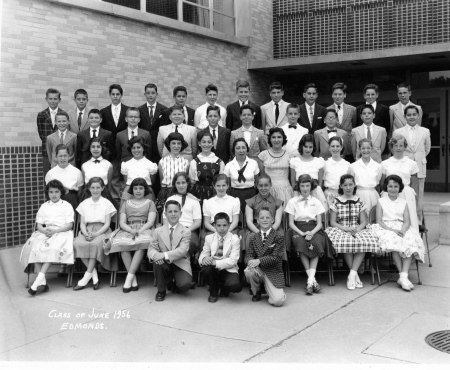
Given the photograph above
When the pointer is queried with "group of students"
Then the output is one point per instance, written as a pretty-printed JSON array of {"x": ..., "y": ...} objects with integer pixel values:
[{"x": 209, "y": 176}]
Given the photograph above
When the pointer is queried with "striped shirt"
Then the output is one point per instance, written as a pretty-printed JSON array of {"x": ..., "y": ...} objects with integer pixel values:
[{"x": 171, "y": 166}]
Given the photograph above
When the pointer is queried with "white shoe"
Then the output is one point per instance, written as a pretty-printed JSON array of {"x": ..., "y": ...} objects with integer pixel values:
[
  {"x": 350, "y": 284},
  {"x": 358, "y": 282},
  {"x": 403, "y": 283}
]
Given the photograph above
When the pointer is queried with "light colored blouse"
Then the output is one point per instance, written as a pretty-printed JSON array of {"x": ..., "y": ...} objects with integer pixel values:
[
  {"x": 96, "y": 211},
  {"x": 143, "y": 168},
  {"x": 304, "y": 209},
  {"x": 92, "y": 169},
  {"x": 366, "y": 176},
  {"x": 228, "y": 204},
  {"x": 55, "y": 214},
  {"x": 252, "y": 169},
  {"x": 404, "y": 168},
  {"x": 70, "y": 177},
  {"x": 190, "y": 211},
  {"x": 333, "y": 171},
  {"x": 393, "y": 210},
  {"x": 311, "y": 168}
]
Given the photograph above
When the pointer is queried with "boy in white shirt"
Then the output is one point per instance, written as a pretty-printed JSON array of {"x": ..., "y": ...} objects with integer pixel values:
[
  {"x": 293, "y": 130},
  {"x": 200, "y": 121}
]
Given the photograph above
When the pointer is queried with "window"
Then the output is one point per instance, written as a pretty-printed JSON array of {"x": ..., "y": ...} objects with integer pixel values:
[{"x": 217, "y": 15}]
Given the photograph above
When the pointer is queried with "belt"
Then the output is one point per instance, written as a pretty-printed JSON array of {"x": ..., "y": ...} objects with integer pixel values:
[
  {"x": 242, "y": 189},
  {"x": 136, "y": 222},
  {"x": 306, "y": 222}
]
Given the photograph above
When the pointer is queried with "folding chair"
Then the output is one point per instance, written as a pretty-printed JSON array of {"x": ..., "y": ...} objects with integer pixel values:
[{"x": 424, "y": 231}]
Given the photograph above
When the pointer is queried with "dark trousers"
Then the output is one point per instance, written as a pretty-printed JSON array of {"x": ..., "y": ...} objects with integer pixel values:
[
  {"x": 194, "y": 243},
  {"x": 115, "y": 180},
  {"x": 165, "y": 274},
  {"x": 222, "y": 279},
  {"x": 45, "y": 167}
]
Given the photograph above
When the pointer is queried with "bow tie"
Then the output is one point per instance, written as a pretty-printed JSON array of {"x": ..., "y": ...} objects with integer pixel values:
[
  {"x": 304, "y": 200},
  {"x": 247, "y": 129},
  {"x": 293, "y": 126},
  {"x": 334, "y": 130},
  {"x": 96, "y": 161}
]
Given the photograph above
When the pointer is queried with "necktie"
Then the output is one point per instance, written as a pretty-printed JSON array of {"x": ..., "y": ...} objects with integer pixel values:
[
  {"x": 132, "y": 134},
  {"x": 241, "y": 177},
  {"x": 293, "y": 126},
  {"x": 79, "y": 120},
  {"x": 94, "y": 133},
  {"x": 151, "y": 114},
  {"x": 220, "y": 249},
  {"x": 96, "y": 161},
  {"x": 334, "y": 130},
  {"x": 338, "y": 108},
  {"x": 277, "y": 113},
  {"x": 264, "y": 238},
  {"x": 214, "y": 138},
  {"x": 176, "y": 128},
  {"x": 369, "y": 135},
  {"x": 171, "y": 235},
  {"x": 311, "y": 115},
  {"x": 183, "y": 200},
  {"x": 61, "y": 138}
]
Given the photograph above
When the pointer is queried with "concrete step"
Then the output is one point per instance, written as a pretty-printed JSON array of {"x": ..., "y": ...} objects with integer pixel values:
[{"x": 431, "y": 202}]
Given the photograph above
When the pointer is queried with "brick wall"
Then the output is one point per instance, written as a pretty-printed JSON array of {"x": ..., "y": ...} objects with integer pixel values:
[{"x": 44, "y": 45}]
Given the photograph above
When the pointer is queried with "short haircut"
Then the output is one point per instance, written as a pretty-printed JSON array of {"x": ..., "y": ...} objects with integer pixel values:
[
  {"x": 411, "y": 107},
  {"x": 115, "y": 87},
  {"x": 133, "y": 109},
  {"x": 203, "y": 134},
  {"x": 214, "y": 108},
  {"x": 276, "y": 85},
  {"x": 220, "y": 177},
  {"x": 61, "y": 113},
  {"x": 242, "y": 83},
  {"x": 95, "y": 180},
  {"x": 96, "y": 111},
  {"x": 370, "y": 87},
  {"x": 404, "y": 85},
  {"x": 293, "y": 106},
  {"x": 60, "y": 147},
  {"x": 175, "y": 136},
  {"x": 139, "y": 181},
  {"x": 56, "y": 184},
  {"x": 394, "y": 139},
  {"x": 172, "y": 203},
  {"x": 394, "y": 178},
  {"x": 179, "y": 88},
  {"x": 362, "y": 141},
  {"x": 342, "y": 181},
  {"x": 139, "y": 140},
  {"x": 368, "y": 106},
  {"x": 246, "y": 106},
  {"x": 303, "y": 179},
  {"x": 174, "y": 108},
  {"x": 150, "y": 86},
  {"x": 339, "y": 85},
  {"x": 53, "y": 91},
  {"x": 175, "y": 178},
  {"x": 275, "y": 130},
  {"x": 211, "y": 87},
  {"x": 264, "y": 177},
  {"x": 308, "y": 138},
  {"x": 240, "y": 140},
  {"x": 339, "y": 140},
  {"x": 222, "y": 216},
  {"x": 310, "y": 86},
  {"x": 264, "y": 209},
  {"x": 330, "y": 110},
  {"x": 80, "y": 91}
]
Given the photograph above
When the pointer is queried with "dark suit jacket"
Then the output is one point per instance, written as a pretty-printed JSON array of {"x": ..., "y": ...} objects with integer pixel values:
[
  {"x": 165, "y": 119},
  {"x": 109, "y": 124},
  {"x": 122, "y": 152},
  {"x": 45, "y": 128},
  {"x": 319, "y": 116},
  {"x": 223, "y": 143},
  {"x": 83, "y": 147},
  {"x": 233, "y": 121},
  {"x": 381, "y": 119}
]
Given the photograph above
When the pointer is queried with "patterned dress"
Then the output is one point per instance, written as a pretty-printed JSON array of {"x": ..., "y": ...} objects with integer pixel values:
[
  {"x": 347, "y": 214},
  {"x": 204, "y": 188}
]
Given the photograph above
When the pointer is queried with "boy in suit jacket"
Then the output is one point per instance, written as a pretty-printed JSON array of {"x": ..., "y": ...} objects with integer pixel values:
[
  {"x": 78, "y": 117},
  {"x": 264, "y": 260},
  {"x": 62, "y": 136},
  {"x": 323, "y": 136},
  {"x": 233, "y": 116},
  {"x": 397, "y": 111},
  {"x": 169, "y": 252},
  {"x": 46, "y": 124},
  {"x": 311, "y": 114},
  {"x": 179, "y": 97},
  {"x": 219, "y": 259},
  {"x": 381, "y": 119},
  {"x": 346, "y": 116},
  {"x": 419, "y": 145},
  {"x": 222, "y": 135},
  {"x": 200, "y": 121},
  {"x": 255, "y": 138},
  {"x": 273, "y": 114},
  {"x": 368, "y": 130},
  {"x": 84, "y": 137},
  {"x": 113, "y": 120},
  {"x": 293, "y": 130}
]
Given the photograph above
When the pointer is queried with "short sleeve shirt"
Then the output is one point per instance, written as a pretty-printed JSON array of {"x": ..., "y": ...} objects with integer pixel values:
[
  {"x": 366, "y": 176},
  {"x": 257, "y": 202},
  {"x": 311, "y": 168},
  {"x": 333, "y": 171},
  {"x": 55, "y": 214},
  {"x": 143, "y": 168},
  {"x": 228, "y": 204},
  {"x": 252, "y": 169},
  {"x": 92, "y": 169},
  {"x": 404, "y": 168},
  {"x": 304, "y": 210},
  {"x": 70, "y": 177},
  {"x": 190, "y": 211},
  {"x": 96, "y": 211}
]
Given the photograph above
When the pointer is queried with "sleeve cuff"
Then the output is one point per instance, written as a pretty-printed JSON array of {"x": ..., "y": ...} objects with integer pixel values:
[{"x": 166, "y": 256}]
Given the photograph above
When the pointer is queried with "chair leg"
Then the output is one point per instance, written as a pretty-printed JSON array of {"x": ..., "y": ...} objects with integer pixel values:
[
  {"x": 28, "y": 276},
  {"x": 114, "y": 279},
  {"x": 371, "y": 268},
  {"x": 288, "y": 274},
  {"x": 418, "y": 275},
  {"x": 428, "y": 250},
  {"x": 69, "y": 276}
]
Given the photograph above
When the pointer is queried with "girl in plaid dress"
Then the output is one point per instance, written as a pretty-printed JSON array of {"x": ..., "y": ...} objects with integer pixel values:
[{"x": 349, "y": 231}]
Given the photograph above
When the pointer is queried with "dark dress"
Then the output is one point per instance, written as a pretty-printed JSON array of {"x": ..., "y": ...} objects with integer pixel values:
[{"x": 204, "y": 187}]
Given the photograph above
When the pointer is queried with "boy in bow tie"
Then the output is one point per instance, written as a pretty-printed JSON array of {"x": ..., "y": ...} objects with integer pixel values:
[
  {"x": 323, "y": 136},
  {"x": 219, "y": 259},
  {"x": 293, "y": 130}
]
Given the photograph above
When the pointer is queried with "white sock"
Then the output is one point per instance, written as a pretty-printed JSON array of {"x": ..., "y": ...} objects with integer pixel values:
[
  {"x": 308, "y": 272},
  {"x": 134, "y": 282},
  {"x": 40, "y": 280},
  {"x": 404, "y": 275},
  {"x": 94, "y": 276},
  {"x": 312, "y": 273},
  {"x": 353, "y": 273},
  {"x": 87, "y": 276},
  {"x": 128, "y": 280}
]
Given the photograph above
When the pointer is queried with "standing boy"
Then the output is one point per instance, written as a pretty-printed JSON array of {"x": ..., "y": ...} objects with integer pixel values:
[
  {"x": 219, "y": 259},
  {"x": 61, "y": 136},
  {"x": 179, "y": 97},
  {"x": 397, "y": 111},
  {"x": 200, "y": 121},
  {"x": 293, "y": 130},
  {"x": 321, "y": 137},
  {"x": 346, "y": 116},
  {"x": 78, "y": 117},
  {"x": 233, "y": 121},
  {"x": 46, "y": 124},
  {"x": 273, "y": 114},
  {"x": 311, "y": 114},
  {"x": 169, "y": 252}
]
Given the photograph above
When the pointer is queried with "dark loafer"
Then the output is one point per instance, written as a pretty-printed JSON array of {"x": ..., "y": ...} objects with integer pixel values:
[
  {"x": 309, "y": 289},
  {"x": 97, "y": 285},
  {"x": 224, "y": 293},
  {"x": 79, "y": 287},
  {"x": 160, "y": 296},
  {"x": 316, "y": 288},
  {"x": 135, "y": 288},
  {"x": 256, "y": 297},
  {"x": 126, "y": 290},
  {"x": 212, "y": 299}
]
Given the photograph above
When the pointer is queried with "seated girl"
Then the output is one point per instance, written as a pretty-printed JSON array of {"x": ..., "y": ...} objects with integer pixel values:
[
  {"x": 395, "y": 232},
  {"x": 52, "y": 242},
  {"x": 191, "y": 213},
  {"x": 137, "y": 218},
  {"x": 305, "y": 221},
  {"x": 349, "y": 231},
  {"x": 95, "y": 213}
]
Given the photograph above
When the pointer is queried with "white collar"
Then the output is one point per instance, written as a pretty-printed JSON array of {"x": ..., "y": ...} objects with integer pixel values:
[
  {"x": 116, "y": 106},
  {"x": 206, "y": 156},
  {"x": 374, "y": 104},
  {"x": 91, "y": 201},
  {"x": 151, "y": 105},
  {"x": 53, "y": 111},
  {"x": 174, "y": 227},
  {"x": 266, "y": 232},
  {"x": 342, "y": 105},
  {"x": 405, "y": 105},
  {"x": 180, "y": 126},
  {"x": 367, "y": 126},
  {"x": 135, "y": 130},
  {"x": 62, "y": 132},
  {"x": 412, "y": 127},
  {"x": 81, "y": 111},
  {"x": 98, "y": 159},
  {"x": 279, "y": 103},
  {"x": 225, "y": 197},
  {"x": 310, "y": 106},
  {"x": 235, "y": 162},
  {"x": 224, "y": 237},
  {"x": 214, "y": 128},
  {"x": 301, "y": 197},
  {"x": 243, "y": 103},
  {"x": 58, "y": 203},
  {"x": 95, "y": 128}
]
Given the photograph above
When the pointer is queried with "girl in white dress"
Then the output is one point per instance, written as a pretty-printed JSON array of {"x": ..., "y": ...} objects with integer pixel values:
[
  {"x": 307, "y": 164},
  {"x": 95, "y": 213},
  {"x": 395, "y": 232},
  {"x": 334, "y": 168},
  {"x": 52, "y": 242},
  {"x": 367, "y": 175},
  {"x": 407, "y": 169}
]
